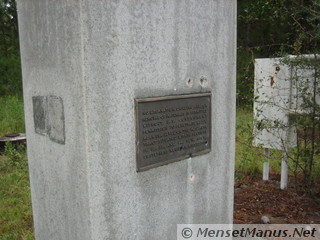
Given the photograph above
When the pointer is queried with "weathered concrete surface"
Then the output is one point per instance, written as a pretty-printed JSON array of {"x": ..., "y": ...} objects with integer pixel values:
[
  {"x": 98, "y": 56},
  {"x": 39, "y": 104},
  {"x": 273, "y": 99},
  {"x": 280, "y": 90},
  {"x": 48, "y": 117}
]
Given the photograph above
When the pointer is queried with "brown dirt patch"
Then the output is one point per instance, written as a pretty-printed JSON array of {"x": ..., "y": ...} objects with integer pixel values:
[{"x": 256, "y": 198}]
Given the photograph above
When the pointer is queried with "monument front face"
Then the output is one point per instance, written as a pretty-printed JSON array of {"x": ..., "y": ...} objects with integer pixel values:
[{"x": 99, "y": 60}]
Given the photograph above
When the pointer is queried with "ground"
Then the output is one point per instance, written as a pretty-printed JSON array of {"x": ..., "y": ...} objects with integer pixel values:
[{"x": 256, "y": 198}]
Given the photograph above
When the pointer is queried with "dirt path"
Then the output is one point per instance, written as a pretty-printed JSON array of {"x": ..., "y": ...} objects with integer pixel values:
[{"x": 255, "y": 199}]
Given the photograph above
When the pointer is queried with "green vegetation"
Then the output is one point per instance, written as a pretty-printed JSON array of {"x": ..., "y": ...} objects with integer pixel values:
[
  {"x": 10, "y": 69},
  {"x": 15, "y": 201},
  {"x": 273, "y": 28},
  {"x": 278, "y": 28},
  {"x": 249, "y": 159},
  {"x": 11, "y": 115}
]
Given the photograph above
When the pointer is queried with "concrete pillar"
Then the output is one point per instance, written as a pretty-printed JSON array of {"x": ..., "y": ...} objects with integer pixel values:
[
  {"x": 284, "y": 172},
  {"x": 266, "y": 165},
  {"x": 85, "y": 63}
]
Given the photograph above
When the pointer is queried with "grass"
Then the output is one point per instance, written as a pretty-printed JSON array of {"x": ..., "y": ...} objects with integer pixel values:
[
  {"x": 11, "y": 115},
  {"x": 249, "y": 159},
  {"x": 15, "y": 199}
]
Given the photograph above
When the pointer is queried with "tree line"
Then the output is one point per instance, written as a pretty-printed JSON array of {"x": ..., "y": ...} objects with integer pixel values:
[
  {"x": 266, "y": 28},
  {"x": 273, "y": 28},
  {"x": 10, "y": 69}
]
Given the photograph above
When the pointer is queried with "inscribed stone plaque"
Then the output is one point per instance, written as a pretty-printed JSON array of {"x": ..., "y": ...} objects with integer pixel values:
[{"x": 172, "y": 128}]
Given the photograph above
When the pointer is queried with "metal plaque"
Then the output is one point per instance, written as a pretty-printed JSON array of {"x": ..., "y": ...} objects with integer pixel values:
[{"x": 172, "y": 128}]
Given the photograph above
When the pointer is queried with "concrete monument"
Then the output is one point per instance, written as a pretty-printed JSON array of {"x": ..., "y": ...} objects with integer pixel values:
[
  {"x": 279, "y": 91},
  {"x": 130, "y": 114}
]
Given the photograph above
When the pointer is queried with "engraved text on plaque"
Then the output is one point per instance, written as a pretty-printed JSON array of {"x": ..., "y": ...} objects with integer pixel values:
[{"x": 172, "y": 128}]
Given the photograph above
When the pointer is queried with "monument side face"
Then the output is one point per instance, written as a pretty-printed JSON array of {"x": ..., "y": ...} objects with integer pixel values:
[
  {"x": 50, "y": 37},
  {"x": 107, "y": 55},
  {"x": 140, "y": 49}
]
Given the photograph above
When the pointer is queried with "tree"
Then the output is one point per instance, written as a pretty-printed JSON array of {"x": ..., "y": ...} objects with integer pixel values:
[
  {"x": 272, "y": 28},
  {"x": 10, "y": 73},
  {"x": 263, "y": 30},
  {"x": 306, "y": 19},
  {"x": 304, "y": 107}
]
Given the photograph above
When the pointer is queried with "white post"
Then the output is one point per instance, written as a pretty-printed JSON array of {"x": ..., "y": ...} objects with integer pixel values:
[
  {"x": 284, "y": 172},
  {"x": 266, "y": 165}
]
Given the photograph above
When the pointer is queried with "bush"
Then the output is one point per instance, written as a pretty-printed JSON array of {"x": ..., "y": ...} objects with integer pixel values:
[{"x": 11, "y": 115}]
